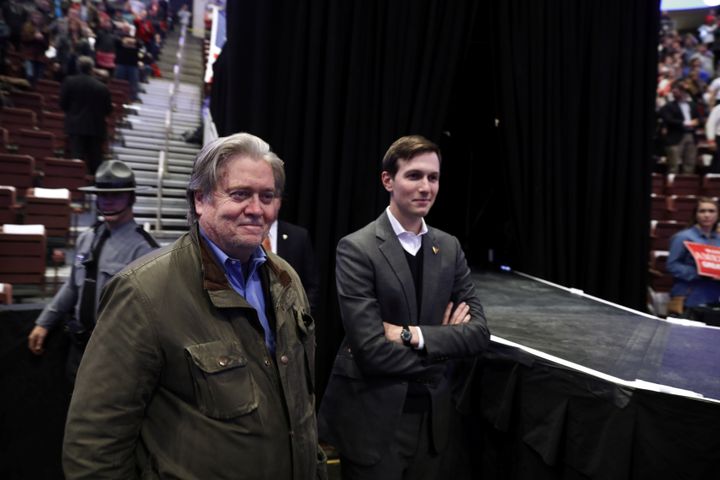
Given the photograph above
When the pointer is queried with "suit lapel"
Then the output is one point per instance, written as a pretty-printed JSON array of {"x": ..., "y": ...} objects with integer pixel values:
[
  {"x": 390, "y": 247},
  {"x": 430, "y": 277}
]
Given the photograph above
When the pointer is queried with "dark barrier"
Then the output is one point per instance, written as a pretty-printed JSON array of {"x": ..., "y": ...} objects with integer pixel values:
[
  {"x": 33, "y": 400},
  {"x": 539, "y": 421},
  {"x": 535, "y": 418}
]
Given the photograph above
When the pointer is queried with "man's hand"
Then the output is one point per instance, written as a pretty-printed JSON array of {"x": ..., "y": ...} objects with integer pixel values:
[
  {"x": 460, "y": 315},
  {"x": 36, "y": 340}
]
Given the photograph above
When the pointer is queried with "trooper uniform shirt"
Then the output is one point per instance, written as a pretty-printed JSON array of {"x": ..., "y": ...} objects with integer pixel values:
[{"x": 124, "y": 245}]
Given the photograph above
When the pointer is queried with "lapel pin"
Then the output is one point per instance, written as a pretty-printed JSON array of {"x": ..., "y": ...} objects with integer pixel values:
[
  {"x": 435, "y": 249},
  {"x": 284, "y": 236}
]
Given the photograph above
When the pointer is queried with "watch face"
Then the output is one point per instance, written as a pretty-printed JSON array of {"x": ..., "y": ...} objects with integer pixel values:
[{"x": 406, "y": 335}]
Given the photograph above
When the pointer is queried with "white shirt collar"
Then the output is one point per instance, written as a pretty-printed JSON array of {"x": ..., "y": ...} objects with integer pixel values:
[
  {"x": 273, "y": 235},
  {"x": 410, "y": 241}
]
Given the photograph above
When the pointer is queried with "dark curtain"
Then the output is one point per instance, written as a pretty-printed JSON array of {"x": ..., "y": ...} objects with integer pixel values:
[
  {"x": 330, "y": 85},
  {"x": 575, "y": 84}
]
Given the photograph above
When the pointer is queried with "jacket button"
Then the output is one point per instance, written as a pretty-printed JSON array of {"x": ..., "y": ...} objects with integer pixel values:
[
  {"x": 223, "y": 360},
  {"x": 267, "y": 362},
  {"x": 284, "y": 359}
]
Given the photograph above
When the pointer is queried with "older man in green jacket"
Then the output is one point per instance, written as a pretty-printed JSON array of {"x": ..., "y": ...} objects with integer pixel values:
[{"x": 201, "y": 364}]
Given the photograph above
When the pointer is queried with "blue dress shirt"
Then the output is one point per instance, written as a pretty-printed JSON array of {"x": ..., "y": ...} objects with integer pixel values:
[{"x": 249, "y": 288}]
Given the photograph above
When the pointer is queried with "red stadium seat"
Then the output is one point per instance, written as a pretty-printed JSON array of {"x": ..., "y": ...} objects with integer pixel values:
[
  {"x": 49, "y": 207},
  {"x": 680, "y": 208},
  {"x": 682, "y": 184},
  {"x": 8, "y": 205},
  {"x": 661, "y": 231},
  {"x": 658, "y": 206},
  {"x": 22, "y": 255},
  {"x": 17, "y": 170}
]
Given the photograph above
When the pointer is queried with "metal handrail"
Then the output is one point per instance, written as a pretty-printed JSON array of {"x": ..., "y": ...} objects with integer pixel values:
[{"x": 163, "y": 159}]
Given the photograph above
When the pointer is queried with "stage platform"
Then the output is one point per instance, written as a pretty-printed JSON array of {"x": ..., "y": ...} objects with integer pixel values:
[
  {"x": 576, "y": 387},
  {"x": 603, "y": 339}
]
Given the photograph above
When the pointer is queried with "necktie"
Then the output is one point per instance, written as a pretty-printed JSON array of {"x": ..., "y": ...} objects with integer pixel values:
[
  {"x": 87, "y": 302},
  {"x": 266, "y": 244}
]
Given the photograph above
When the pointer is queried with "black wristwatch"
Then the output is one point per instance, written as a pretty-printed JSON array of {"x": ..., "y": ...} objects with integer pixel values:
[{"x": 406, "y": 336}]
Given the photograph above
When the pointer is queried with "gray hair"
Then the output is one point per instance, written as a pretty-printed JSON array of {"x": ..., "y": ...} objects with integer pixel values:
[
  {"x": 215, "y": 154},
  {"x": 85, "y": 64}
]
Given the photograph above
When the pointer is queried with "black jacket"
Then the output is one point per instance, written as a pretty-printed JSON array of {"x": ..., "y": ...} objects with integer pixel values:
[
  {"x": 86, "y": 102},
  {"x": 294, "y": 246},
  {"x": 674, "y": 122}
]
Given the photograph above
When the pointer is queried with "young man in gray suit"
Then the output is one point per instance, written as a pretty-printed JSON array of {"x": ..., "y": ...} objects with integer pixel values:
[{"x": 411, "y": 314}]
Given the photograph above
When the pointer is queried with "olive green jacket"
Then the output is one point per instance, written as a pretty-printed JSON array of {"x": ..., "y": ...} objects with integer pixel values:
[{"x": 177, "y": 382}]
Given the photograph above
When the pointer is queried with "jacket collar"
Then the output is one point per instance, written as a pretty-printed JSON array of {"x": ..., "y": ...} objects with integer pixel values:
[{"x": 222, "y": 294}]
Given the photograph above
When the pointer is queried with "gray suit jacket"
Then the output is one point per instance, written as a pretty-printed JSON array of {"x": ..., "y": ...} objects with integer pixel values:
[{"x": 369, "y": 381}]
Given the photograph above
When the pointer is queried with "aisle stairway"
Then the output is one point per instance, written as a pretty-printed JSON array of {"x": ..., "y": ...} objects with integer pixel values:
[{"x": 143, "y": 141}]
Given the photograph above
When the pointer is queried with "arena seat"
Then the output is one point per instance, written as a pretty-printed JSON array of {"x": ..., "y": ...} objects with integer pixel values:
[
  {"x": 658, "y": 206},
  {"x": 711, "y": 185},
  {"x": 66, "y": 173},
  {"x": 661, "y": 231},
  {"x": 37, "y": 143},
  {"x": 28, "y": 100},
  {"x": 4, "y": 140},
  {"x": 660, "y": 279},
  {"x": 682, "y": 184},
  {"x": 16, "y": 119},
  {"x": 47, "y": 87},
  {"x": 49, "y": 207},
  {"x": 17, "y": 170},
  {"x": 121, "y": 85},
  {"x": 54, "y": 122},
  {"x": 680, "y": 207},
  {"x": 119, "y": 97},
  {"x": 22, "y": 254},
  {"x": 52, "y": 103},
  {"x": 8, "y": 204},
  {"x": 658, "y": 183}
]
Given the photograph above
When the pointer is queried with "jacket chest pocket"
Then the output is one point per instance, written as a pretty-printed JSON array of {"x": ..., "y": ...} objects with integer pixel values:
[{"x": 224, "y": 387}]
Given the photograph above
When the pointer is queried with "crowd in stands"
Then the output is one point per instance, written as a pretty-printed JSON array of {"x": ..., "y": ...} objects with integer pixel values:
[
  {"x": 686, "y": 182},
  {"x": 45, "y": 46},
  {"x": 688, "y": 91},
  {"x": 41, "y": 39}
]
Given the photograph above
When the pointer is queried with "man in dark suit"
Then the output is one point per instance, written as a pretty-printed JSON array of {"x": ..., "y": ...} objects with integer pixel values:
[
  {"x": 680, "y": 119},
  {"x": 411, "y": 315},
  {"x": 292, "y": 243},
  {"x": 86, "y": 102}
]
